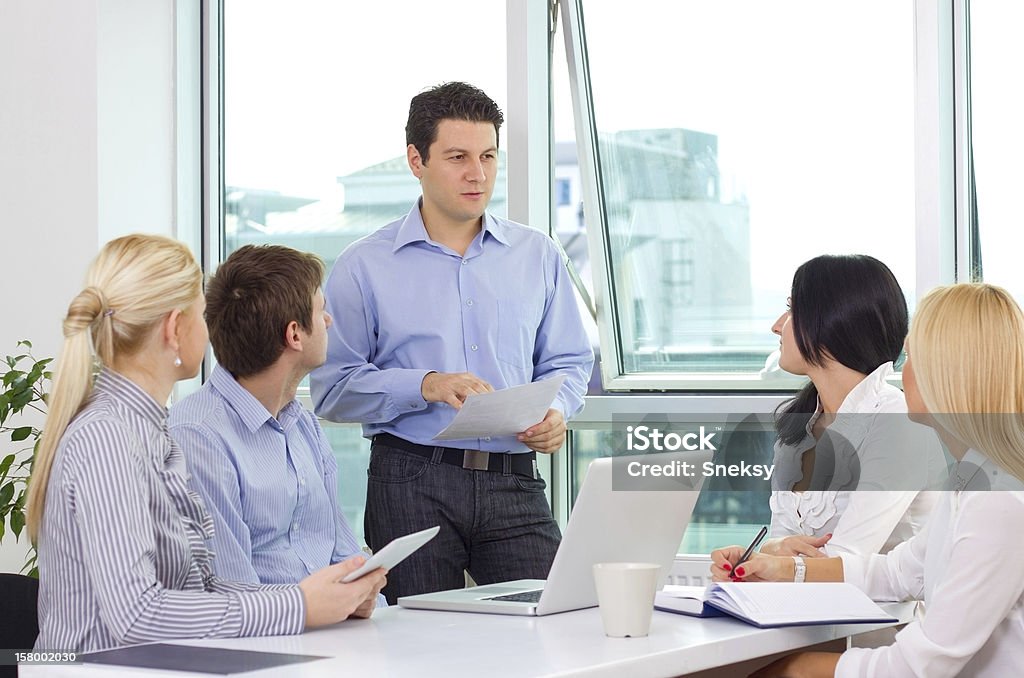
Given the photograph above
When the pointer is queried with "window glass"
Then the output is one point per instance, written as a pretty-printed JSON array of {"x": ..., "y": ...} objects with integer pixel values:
[
  {"x": 727, "y": 511},
  {"x": 316, "y": 95},
  {"x": 997, "y": 107},
  {"x": 737, "y": 139}
]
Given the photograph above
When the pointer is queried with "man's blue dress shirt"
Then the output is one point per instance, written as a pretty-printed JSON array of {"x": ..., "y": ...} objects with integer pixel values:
[
  {"x": 270, "y": 483},
  {"x": 404, "y": 305}
]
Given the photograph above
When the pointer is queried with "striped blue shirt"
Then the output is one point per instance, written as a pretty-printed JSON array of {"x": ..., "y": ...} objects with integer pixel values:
[
  {"x": 270, "y": 483},
  {"x": 404, "y": 305},
  {"x": 122, "y": 545}
]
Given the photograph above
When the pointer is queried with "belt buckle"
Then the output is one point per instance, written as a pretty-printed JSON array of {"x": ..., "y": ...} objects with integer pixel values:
[{"x": 475, "y": 460}]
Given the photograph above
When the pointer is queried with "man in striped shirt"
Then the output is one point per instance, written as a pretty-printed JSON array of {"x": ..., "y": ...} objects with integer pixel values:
[{"x": 259, "y": 459}]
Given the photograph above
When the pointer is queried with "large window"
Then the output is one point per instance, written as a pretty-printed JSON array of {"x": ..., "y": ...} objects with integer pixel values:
[
  {"x": 699, "y": 152},
  {"x": 733, "y": 141}
]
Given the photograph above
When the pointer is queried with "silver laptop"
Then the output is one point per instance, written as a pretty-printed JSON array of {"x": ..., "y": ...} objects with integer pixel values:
[{"x": 605, "y": 526}]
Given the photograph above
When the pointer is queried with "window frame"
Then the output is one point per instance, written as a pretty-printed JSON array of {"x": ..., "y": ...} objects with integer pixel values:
[{"x": 941, "y": 230}]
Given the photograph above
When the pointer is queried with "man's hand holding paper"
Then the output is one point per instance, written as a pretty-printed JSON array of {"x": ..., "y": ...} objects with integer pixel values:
[
  {"x": 523, "y": 411},
  {"x": 548, "y": 436}
]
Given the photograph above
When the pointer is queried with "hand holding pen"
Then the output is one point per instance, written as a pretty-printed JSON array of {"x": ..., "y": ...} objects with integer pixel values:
[
  {"x": 726, "y": 564},
  {"x": 746, "y": 554}
]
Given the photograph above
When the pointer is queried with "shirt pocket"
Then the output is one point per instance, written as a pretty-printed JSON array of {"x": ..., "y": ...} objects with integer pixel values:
[{"x": 518, "y": 322}]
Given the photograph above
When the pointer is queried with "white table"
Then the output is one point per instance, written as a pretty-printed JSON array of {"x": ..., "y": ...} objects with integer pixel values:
[{"x": 399, "y": 642}]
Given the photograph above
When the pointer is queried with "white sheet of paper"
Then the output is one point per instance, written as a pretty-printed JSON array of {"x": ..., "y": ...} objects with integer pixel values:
[{"x": 505, "y": 412}]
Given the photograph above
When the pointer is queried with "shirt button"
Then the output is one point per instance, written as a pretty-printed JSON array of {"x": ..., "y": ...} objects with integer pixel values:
[
  {"x": 302, "y": 481},
  {"x": 487, "y": 439},
  {"x": 295, "y": 527},
  {"x": 473, "y": 347},
  {"x": 464, "y": 262},
  {"x": 469, "y": 303}
]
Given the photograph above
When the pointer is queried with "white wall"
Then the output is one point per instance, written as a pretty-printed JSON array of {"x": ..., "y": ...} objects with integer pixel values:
[{"x": 86, "y": 152}]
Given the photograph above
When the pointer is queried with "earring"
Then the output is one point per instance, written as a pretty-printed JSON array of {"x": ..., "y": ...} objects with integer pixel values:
[{"x": 177, "y": 361}]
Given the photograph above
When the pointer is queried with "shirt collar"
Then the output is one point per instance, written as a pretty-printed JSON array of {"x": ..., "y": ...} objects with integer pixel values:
[
  {"x": 867, "y": 395},
  {"x": 977, "y": 472},
  {"x": 864, "y": 398},
  {"x": 497, "y": 229},
  {"x": 250, "y": 410},
  {"x": 413, "y": 230},
  {"x": 132, "y": 395}
]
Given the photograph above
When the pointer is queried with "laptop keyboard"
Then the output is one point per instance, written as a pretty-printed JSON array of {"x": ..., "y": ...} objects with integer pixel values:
[{"x": 524, "y": 597}]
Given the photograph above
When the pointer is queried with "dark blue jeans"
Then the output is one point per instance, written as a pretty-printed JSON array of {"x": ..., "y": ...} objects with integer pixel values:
[{"x": 494, "y": 525}]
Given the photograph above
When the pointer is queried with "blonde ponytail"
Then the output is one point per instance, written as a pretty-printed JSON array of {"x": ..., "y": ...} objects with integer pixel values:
[{"x": 131, "y": 285}]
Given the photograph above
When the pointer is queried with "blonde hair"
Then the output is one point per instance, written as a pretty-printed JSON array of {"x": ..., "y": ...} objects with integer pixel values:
[
  {"x": 133, "y": 283},
  {"x": 967, "y": 346}
]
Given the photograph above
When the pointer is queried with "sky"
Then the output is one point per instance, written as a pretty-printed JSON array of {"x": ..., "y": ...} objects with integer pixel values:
[{"x": 812, "y": 103}]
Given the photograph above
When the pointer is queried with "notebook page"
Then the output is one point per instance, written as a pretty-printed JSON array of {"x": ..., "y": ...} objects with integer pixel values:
[{"x": 796, "y": 603}]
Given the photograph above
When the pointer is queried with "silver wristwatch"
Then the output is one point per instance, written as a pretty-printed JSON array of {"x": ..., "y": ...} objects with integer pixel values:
[{"x": 800, "y": 569}]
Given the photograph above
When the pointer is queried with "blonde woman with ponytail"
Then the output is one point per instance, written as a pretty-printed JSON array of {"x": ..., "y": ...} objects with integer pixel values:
[
  {"x": 964, "y": 376},
  {"x": 121, "y": 539}
]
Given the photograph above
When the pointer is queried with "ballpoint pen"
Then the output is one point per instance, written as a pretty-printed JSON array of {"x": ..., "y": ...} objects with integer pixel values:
[{"x": 750, "y": 550}]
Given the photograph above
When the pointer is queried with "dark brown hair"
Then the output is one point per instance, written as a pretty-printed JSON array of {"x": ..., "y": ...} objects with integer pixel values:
[
  {"x": 450, "y": 101},
  {"x": 849, "y": 308},
  {"x": 252, "y": 298}
]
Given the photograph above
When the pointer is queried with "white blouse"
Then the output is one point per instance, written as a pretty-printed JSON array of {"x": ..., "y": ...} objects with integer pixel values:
[
  {"x": 967, "y": 566},
  {"x": 889, "y": 450}
]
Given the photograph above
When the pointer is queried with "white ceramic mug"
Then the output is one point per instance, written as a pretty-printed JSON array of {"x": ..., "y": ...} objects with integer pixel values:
[{"x": 625, "y": 593}]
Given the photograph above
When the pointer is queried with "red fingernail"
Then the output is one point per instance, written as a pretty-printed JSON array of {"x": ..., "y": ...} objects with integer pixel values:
[
  {"x": 740, "y": 572},
  {"x": 727, "y": 567}
]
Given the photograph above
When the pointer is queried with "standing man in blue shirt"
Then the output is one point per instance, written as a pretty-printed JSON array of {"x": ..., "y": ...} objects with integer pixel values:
[
  {"x": 258, "y": 458},
  {"x": 447, "y": 302}
]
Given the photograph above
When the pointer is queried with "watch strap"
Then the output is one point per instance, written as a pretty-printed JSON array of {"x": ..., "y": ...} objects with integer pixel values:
[{"x": 799, "y": 570}]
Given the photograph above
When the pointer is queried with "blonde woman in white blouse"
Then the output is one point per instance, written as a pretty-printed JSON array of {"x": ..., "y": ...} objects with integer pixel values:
[
  {"x": 965, "y": 377},
  {"x": 845, "y": 325}
]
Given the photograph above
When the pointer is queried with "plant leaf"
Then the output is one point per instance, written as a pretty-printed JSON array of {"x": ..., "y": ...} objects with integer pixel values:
[
  {"x": 20, "y": 433},
  {"x": 17, "y": 522},
  {"x": 6, "y": 464},
  {"x": 7, "y": 493},
  {"x": 21, "y": 399}
]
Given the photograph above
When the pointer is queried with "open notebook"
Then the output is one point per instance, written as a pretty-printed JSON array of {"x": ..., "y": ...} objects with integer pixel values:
[{"x": 767, "y": 605}]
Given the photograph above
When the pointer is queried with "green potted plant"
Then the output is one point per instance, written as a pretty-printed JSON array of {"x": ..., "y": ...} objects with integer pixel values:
[{"x": 24, "y": 384}]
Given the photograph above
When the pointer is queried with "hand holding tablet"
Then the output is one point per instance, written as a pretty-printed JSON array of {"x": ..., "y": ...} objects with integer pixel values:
[{"x": 394, "y": 553}]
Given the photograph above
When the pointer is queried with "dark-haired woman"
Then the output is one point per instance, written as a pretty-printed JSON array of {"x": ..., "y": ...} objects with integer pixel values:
[{"x": 844, "y": 328}]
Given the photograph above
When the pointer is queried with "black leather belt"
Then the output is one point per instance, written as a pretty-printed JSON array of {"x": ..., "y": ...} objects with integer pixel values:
[{"x": 524, "y": 463}]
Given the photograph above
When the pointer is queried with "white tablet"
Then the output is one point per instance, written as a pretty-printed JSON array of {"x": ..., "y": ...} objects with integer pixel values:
[{"x": 394, "y": 553}]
